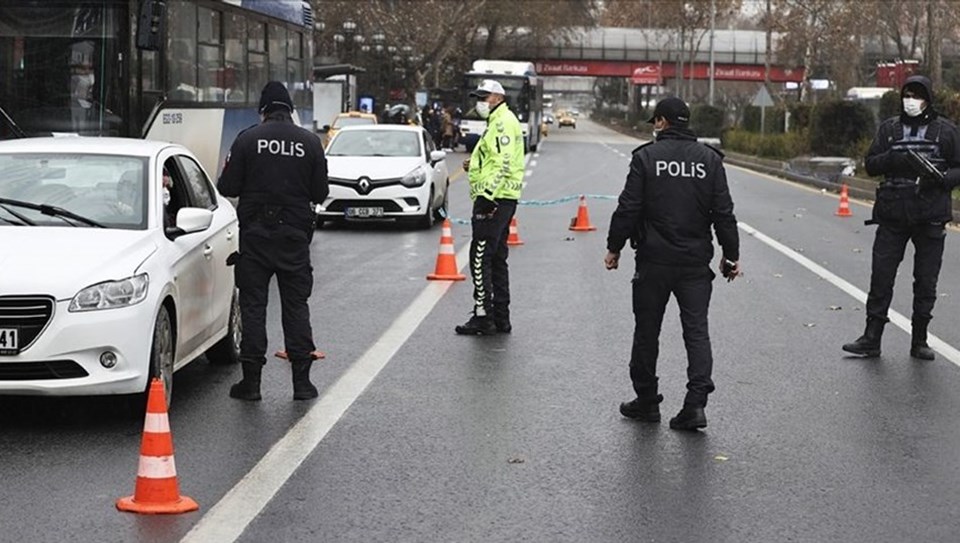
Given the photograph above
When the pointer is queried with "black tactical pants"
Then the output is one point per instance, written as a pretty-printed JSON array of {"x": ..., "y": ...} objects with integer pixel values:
[
  {"x": 283, "y": 251},
  {"x": 888, "y": 249},
  {"x": 652, "y": 286},
  {"x": 488, "y": 262}
]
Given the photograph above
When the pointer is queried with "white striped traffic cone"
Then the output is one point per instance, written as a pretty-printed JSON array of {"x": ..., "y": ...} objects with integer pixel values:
[
  {"x": 157, "y": 490},
  {"x": 446, "y": 269}
]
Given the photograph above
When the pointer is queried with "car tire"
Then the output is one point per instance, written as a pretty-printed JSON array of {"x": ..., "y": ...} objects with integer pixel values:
[
  {"x": 162, "y": 353},
  {"x": 442, "y": 212},
  {"x": 425, "y": 221},
  {"x": 227, "y": 350}
]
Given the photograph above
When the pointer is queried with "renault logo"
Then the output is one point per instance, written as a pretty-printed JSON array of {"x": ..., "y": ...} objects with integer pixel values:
[{"x": 364, "y": 185}]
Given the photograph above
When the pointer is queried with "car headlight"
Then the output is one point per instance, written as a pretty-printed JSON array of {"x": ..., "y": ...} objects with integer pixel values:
[
  {"x": 415, "y": 178},
  {"x": 111, "y": 294}
]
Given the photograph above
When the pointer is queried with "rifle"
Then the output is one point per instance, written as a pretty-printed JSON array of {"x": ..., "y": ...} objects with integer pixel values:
[{"x": 923, "y": 165}]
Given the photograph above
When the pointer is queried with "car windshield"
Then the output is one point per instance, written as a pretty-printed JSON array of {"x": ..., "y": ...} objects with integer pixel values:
[
  {"x": 352, "y": 121},
  {"x": 392, "y": 143},
  {"x": 105, "y": 189}
]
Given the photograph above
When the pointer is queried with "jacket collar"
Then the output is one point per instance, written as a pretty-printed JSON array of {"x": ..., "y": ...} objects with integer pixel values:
[{"x": 676, "y": 133}]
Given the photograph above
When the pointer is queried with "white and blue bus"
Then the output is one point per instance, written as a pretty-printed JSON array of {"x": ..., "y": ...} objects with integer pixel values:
[
  {"x": 524, "y": 96},
  {"x": 186, "y": 71}
]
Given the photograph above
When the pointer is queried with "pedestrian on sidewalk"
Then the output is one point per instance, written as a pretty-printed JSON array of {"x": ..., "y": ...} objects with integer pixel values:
[{"x": 675, "y": 191}]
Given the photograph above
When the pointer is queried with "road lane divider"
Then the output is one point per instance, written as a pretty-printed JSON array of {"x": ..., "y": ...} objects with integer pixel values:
[
  {"x": 945, "y": 349},
  {"x": 229, "y": 517}
]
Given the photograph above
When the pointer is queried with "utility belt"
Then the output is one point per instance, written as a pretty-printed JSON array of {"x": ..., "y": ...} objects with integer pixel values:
[
  {"x": 272, "y": 216},
  {"x": 903, "y": 203}
]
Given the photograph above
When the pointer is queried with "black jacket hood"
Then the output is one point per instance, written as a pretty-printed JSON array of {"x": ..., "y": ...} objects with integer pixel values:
[{"x": 929, "y": 113}]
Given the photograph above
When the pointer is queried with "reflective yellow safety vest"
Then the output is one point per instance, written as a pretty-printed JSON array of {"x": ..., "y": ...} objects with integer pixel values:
[{"x": 496, "y": 165}]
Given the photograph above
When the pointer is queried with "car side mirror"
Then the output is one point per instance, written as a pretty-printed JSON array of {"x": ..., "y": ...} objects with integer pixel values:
[
  {"x": 437, "y": 156},
  {"x": 324, "y": 129},
  {"x": 191, "y": 220}
]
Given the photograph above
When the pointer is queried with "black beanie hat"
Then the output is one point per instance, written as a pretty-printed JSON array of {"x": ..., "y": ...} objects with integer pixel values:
[{"x": 274, "y": 97}]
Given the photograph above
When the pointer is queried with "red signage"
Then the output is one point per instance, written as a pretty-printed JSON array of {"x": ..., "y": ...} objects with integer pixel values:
[
  {"x": 653, "y": 73},
  {"x": 892, "y": 74},
  {"x": 648, "y": 74}
]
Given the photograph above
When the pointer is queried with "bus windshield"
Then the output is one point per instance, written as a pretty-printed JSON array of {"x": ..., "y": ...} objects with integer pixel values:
[
  {"x": 61, "y": 69},
  {"x": 518, "y": 94}
]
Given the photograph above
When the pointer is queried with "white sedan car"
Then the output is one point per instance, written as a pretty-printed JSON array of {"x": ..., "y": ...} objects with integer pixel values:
[
  {"x": 386, "y": 172},
  {"x": 104, "y": 282}
]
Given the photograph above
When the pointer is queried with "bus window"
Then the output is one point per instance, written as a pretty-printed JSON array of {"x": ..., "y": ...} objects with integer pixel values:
[
  {"x": 60, "y": 73},
  {"x": 182, "y": 72},
  {"x": 256, "y": 60},
  {"x": 277, "y": 52},
  {"x": 235, "y": 69},
  {"x": 208, "y": 56}
]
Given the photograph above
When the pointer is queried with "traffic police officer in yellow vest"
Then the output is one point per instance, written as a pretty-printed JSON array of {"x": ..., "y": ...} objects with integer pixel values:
[{"x": 496, "y": 178}]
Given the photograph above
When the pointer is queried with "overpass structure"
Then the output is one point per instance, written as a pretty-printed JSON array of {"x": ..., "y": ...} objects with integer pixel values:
[{"x": 649, "y": 56}]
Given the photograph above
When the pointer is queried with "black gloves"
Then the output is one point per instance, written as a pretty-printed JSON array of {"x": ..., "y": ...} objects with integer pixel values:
[
  {"x": 898, "y": 162},
  {"x": 483, "y": 207}
]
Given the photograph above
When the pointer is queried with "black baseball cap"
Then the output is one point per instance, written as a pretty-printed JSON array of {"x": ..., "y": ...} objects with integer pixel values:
[{"x": 673, "y": 109}]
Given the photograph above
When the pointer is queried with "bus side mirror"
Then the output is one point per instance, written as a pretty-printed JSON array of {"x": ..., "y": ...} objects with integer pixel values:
[{"x": 150, "y": 24}]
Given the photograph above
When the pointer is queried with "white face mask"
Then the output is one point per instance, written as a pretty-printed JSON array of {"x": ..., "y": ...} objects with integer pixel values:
[
  {"x": 912, "y": 106},
  {"x": 483, "y": 109},
  {"x": 166, "y": 196}
]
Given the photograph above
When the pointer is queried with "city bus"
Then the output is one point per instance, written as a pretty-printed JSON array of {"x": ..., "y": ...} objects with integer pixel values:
[
  {"x": 185, "y": 71},
  {"x": 524, "y": 96}
]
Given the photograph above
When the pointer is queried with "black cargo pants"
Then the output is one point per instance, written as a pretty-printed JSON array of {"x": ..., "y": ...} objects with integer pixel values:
[
  {"x": 652, "y": 286},
  {"x": 488, "y": 262},
  {"x": 889, "y": 246},
  {"x": 283, "y": 251}
]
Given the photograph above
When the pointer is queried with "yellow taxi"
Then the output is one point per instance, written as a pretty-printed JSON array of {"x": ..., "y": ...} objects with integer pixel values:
[
  {"x": 566, "y": 119},
  {"x": 349, "y": 118}
]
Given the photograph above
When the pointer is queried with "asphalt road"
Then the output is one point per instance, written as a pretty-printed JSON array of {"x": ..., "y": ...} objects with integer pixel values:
[{"x": 421, "y": 435}]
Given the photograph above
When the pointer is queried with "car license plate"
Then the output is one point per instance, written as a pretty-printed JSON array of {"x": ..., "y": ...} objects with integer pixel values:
[
  {"x": 9, "y": 341},
  {"x": 364, "y": 212}
]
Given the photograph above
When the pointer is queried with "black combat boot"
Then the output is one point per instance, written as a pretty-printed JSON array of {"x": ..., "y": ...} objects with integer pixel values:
[
  {"x": 690, "y": 417},
  {"x": 477, "y": 326},
  {"x": 501, "y": 319},
  {"x": 918, "y": 344},
  {"x": 869, "y": 343},
  {"x": 303, "y": 389},
  {"x": 644, "y": 410},
  {"x": 249, "y": 387}
]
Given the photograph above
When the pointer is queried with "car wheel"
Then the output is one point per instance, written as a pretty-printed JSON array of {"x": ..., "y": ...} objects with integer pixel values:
[
  {"x": 441, "y": 212},
  {"x": 162, "y": 353},
  {"x": 227, "y": 350},
  {"x": 425, "y": 221}
]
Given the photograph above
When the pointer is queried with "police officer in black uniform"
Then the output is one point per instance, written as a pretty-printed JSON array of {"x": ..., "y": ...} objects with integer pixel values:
[
  {"x": 277, "y": 169},
  {"x": 675, "y": 191},
  {"x": 911, "y": 205}
]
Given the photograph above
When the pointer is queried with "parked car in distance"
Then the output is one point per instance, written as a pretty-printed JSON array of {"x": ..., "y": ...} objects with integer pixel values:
[
  {"x": 386, "y": 171},
  {"x": 350, "y": 118},
  {"x": 105, "y": 282}
]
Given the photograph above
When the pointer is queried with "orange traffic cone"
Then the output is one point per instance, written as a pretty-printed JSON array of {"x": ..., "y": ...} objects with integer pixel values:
[
  {"x": 446, "y": 269},
  {"x": 315, "y": 355},
  {"x": 157, "y": 490},
  {"x": 514, "y": 237},
  {"x": 844, "y": 209},
  {"x": 582, "y": 222}
]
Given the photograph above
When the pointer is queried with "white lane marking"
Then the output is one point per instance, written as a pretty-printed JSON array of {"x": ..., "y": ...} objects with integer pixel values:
[
  {"x": 533, "y": 163},
  {"x": 945, "y": 349},
  {"x": 528, "y": 173},
  {"x": 229, "y": 517}
]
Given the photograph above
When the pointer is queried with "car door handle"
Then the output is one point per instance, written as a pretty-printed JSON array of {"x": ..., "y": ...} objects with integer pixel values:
[
  {"x": 229, "y": 234},
  {"x": 207, "y": 251}
]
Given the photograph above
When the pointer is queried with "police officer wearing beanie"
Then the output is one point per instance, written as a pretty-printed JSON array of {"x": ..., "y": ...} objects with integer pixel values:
[
  {"x": 911, "y": 205},
  {"x": 495, "y": 171},
  {"x": 278, "y": 170},
  {"x": 675, "y": 191}
]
